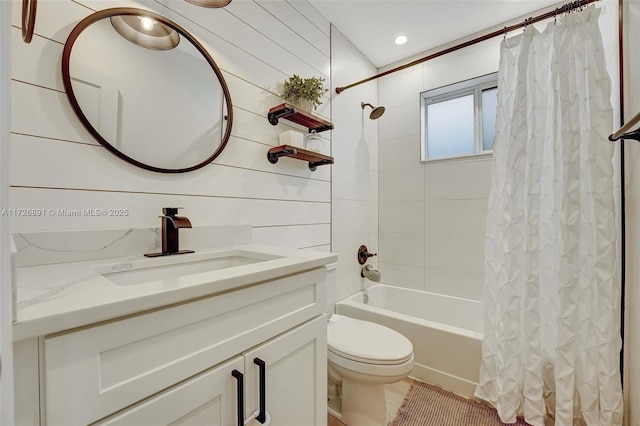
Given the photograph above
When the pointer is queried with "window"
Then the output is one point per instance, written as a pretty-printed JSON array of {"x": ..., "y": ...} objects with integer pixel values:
[{"x": 459, "y": 119}]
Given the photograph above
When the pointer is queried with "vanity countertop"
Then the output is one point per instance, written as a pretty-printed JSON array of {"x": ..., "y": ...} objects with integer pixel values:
[{"x": 58, "y": 297}]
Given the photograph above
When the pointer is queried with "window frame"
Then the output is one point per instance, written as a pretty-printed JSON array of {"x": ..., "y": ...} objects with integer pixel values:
[{"x": 473, "y": 86}]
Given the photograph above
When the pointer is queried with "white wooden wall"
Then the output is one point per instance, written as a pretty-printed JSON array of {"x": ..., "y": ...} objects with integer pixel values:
[
  {"x": 56, "y": 164},
  {"x": 6, "y": 340}
]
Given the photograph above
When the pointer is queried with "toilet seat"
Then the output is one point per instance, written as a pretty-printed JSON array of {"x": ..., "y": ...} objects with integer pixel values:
[
  {"x": 367, "y": 372},
  {"x": 367, "y": 342}
]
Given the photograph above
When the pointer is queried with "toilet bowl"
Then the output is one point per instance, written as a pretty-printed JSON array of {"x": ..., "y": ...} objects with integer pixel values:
[{"x": 363, "y": 357}]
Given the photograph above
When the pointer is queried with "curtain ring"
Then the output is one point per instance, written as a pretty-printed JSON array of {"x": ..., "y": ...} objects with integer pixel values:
[{"x": 504, "y": 37}]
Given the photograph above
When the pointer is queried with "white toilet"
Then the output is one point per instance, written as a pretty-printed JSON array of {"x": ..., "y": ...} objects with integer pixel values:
[{"x": 362, "y": 358}]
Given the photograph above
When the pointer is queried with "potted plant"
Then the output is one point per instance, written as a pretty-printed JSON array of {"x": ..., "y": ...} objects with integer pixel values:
[{"x": 305, "y": 93}]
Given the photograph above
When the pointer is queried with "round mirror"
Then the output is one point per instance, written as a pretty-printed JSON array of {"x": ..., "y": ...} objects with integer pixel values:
[{"x": 147, "y": 90}]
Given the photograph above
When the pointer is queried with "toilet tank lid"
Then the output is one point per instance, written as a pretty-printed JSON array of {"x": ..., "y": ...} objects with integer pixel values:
[{"x": 366, "y": 340}]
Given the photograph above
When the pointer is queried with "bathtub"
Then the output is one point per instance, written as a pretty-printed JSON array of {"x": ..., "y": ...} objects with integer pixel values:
[{"x": 446, "y": 331}]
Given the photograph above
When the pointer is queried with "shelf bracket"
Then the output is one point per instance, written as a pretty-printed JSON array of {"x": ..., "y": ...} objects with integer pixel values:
[
  {"x": 322, "y": 128},
  {"x": 295, "y": 115},
  {"x": 273, "y": 154},
  {"x": 314, "y": 164},
  {"x": 283, "y": 112},
  {"x": 314, "y": 159}
]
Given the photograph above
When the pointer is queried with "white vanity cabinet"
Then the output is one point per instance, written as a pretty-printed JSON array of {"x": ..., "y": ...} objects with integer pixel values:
[
  {"x": 292, "y": 377},
  {"x": 174, "y": 365}
]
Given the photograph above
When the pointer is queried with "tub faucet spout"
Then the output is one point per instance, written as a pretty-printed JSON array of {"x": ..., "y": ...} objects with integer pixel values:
[{"x": 370, "y": 273}]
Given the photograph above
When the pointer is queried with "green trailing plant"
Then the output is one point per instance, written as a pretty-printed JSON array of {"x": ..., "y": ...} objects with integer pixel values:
[{"x": 297, "y": 88}]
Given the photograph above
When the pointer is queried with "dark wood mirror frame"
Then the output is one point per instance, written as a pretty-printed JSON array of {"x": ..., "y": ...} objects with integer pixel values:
[
  {"x": 66, "y": 78},
  {"x": 29, "y": 8}
]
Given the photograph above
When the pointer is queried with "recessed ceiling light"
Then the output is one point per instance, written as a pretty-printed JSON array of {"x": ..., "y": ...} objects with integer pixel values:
[{"x": 401, "y": 39}]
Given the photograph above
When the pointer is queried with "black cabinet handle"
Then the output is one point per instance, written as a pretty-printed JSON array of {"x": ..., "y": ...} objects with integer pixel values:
[
  {"x": 240, "y": 378},
  {"x": 262, "y": 415}
]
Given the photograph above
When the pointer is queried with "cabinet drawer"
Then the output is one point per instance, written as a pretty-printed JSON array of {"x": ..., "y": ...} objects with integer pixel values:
[{"x": 94, "y": 372}]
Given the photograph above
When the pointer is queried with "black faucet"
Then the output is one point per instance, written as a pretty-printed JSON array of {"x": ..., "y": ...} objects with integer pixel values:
[{"x": 170, "y": 226}]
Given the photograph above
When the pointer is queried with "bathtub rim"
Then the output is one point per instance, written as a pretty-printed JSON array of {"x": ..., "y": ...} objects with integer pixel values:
[{"x": 357, "y": 304}]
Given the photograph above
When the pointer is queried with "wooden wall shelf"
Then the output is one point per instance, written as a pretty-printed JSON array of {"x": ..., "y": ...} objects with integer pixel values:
[
  {"x": 291, "y": 113},
  {"x": 314, "y": 158}
]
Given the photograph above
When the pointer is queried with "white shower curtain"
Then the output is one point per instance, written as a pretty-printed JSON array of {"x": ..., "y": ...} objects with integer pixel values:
[{"x": 552, "y": 340}]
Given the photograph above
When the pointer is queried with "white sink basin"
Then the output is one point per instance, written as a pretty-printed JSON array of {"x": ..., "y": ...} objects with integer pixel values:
[{"x": 175, "y": 266}]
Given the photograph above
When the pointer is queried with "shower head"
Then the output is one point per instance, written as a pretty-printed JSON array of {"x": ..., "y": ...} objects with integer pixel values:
[{"x": 376, "y": 113}]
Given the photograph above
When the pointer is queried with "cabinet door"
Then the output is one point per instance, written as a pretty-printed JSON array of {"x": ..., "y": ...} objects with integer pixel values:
[
  {"x": 295, "y": 365},
  {"x": 210, "y": 398}
]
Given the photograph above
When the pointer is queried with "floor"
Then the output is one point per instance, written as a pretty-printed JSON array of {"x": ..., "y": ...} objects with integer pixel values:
[{"x": 395, "y": 394}]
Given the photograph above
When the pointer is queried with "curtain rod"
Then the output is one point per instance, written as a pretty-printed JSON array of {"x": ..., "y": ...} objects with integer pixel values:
[{"x": 558, "y": 11}]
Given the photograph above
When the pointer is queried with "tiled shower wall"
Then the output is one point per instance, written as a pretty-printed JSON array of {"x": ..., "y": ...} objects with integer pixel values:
[
  {"x": 432, "y": 215},
  {"x": 355, "y": 172}
]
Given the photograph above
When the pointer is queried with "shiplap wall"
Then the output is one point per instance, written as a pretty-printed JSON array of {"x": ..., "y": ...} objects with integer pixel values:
[
  {"x": 6, "y": 292},
  {"x": 56, "y": 164}
]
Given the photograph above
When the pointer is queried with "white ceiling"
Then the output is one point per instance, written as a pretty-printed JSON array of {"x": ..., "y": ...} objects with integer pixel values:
[{"x": 372, "y": 25}]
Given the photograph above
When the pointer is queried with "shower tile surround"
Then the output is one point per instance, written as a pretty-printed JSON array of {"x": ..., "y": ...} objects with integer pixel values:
[
  {"x": 354, "y": 214},
  {"x": 432, "y": 214},
  {"x": 446, "y": 200}
]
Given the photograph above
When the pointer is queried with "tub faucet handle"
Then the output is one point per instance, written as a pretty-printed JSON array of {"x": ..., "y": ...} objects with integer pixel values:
[{"x": 363, "y": 254}]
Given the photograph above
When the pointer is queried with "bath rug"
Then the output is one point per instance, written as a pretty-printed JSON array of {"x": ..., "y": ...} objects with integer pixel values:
[{"x": 427, "y": 405}]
